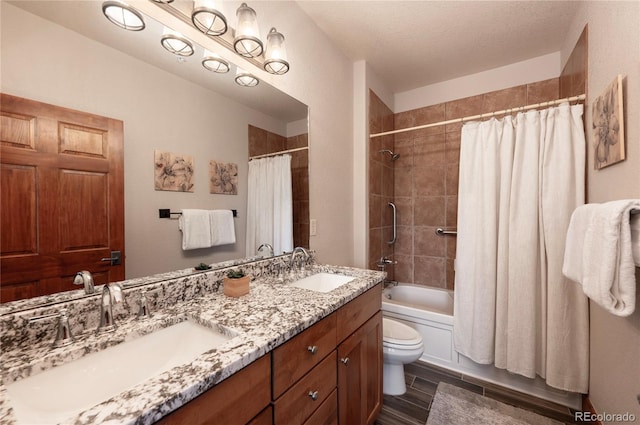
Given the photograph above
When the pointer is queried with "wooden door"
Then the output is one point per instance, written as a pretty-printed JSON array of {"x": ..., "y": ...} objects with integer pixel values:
[
  {"x": 61, "y": 197},
  {"x": 360, "y": 374}
]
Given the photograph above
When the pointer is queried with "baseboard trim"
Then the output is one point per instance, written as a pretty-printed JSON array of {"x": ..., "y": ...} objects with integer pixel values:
[{"x": 588, "y": 407}]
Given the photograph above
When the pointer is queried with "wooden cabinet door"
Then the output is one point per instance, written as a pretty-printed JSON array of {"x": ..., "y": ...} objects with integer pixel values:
[
  {"x": 62, "y": 197},
  {"x": 234, "y": 401},
  {"x": 360, "y": 374}
]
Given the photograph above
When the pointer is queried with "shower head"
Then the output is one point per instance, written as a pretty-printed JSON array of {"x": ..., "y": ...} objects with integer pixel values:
[{"x": 394, "y": 156}]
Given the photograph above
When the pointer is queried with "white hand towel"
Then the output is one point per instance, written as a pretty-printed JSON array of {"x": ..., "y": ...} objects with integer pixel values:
[
  {"x": 598, "y": 254},
  {"x": 223, "y": 231},
  {"x": 635, "y": 237},
  {"x": 196, "y": 229}
]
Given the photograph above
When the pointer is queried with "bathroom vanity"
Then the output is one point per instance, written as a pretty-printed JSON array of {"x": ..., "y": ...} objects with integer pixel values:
[{"x": 289, "y": 355}]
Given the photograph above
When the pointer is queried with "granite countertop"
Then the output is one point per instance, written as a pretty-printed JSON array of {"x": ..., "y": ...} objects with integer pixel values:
[{"x": 272, "y": 313}]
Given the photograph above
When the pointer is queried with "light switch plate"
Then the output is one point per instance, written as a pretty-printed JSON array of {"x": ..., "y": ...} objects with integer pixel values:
[{"x": 312, "y": 227}]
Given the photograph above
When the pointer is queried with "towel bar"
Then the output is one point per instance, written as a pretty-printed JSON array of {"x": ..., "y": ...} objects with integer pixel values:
[{"x": 167, "y": 213}]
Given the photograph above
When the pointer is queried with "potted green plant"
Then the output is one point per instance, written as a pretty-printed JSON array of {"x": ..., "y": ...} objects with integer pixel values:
[{"x": 235, "y": 283}]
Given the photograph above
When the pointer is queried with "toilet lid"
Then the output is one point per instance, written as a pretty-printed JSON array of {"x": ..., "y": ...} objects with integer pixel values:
[{"x": 398, "y": 333}]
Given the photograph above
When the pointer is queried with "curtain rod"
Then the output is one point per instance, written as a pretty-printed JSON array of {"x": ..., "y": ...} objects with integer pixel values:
[
  {"x": 486, "y": 115},
  {"x": 304, "y": 148}
]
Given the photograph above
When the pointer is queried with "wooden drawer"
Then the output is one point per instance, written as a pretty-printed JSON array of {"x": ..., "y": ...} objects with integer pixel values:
[
  {"x": 327, "y": 413},
  {"x": 296, "y": 405},
  {"x": 264, "y": 418},
  {"x": 297, "y": 356},
  {"x": 236, "y": 400},
  {"x": 352, "y": 315}
]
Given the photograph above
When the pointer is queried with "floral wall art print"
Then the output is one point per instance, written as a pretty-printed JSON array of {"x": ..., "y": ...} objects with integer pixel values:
[
  {"x": 608, "y": 126},
  {"x": 173, "y": 172},
  {"x": 223, "y": 178}
]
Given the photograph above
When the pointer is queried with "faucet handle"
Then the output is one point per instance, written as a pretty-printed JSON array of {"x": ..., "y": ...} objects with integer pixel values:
[
  {"x": 64, "y": 336},
  {"x": 144, "y": 311}
]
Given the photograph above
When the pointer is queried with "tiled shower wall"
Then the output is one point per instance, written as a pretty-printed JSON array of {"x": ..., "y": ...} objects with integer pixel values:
[
  {"x": 425, "y": 178},
  {"x": 264, "y": 142},
  {"x": 381, "y": 178}
]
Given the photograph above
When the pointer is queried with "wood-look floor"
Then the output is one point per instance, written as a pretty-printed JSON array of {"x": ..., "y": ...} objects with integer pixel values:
[{"x": 412, "y": 408}]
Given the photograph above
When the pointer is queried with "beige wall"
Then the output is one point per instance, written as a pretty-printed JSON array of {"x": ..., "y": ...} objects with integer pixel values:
[
  {"x": 614, "y": 48},
  {"x": 322, "y": 78},
  {"x": 157, "y": 111}
]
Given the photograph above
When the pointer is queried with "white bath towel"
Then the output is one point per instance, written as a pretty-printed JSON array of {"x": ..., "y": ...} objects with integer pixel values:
[
  {"x": 196, "y": 229},
  {"x": 599, "y": 255},
  {"x": 223, "y": 231}
]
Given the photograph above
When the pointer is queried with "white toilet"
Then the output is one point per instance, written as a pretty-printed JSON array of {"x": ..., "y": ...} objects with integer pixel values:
[{"x": 401, "y": 344}]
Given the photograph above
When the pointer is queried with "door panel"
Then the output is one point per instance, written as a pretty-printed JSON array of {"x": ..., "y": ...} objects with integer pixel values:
[
  {"x": 62, "y": 197},
  {"x": 18, "y": 130},
  {"x": 18, "y": 206}
]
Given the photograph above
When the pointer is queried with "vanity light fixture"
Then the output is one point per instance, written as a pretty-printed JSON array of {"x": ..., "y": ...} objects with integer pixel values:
[
  {"x": 215, "y": 63},
  {"x": 208, "y": 18},
  {"x": 123, "y": 15},
  {"x": 247, "y": 41},
  {"x": 244, "y": 79},
  {"x": 275, "y": 57},
  {"x": 176, "y": 43}
]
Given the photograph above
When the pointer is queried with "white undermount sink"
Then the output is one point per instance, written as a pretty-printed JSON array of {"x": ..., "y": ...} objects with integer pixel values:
[
  {"x": 64, "y": 391},
  {"x": 322, "y": 282}
]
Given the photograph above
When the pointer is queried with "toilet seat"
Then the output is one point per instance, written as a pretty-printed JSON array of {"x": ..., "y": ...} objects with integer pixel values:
[{"x": 398, "y": 334}]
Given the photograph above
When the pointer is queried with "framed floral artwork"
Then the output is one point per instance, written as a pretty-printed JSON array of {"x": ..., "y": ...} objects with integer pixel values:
[
  {"x": 173, "y": 172},
  {"x": 223, "y": 178},
  {"x": 608, "y": 126}
]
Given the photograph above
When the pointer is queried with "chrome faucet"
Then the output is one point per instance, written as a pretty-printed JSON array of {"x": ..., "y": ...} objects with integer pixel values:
[
  {"x": 266, "y": 245},
  {"x": 383, "y": 262},
  {"x": 84, "y": 278},
  {"x": 111, "y": 294},
  {"x": 295, "y": 251},
  {"x": 292, "y": 260}
]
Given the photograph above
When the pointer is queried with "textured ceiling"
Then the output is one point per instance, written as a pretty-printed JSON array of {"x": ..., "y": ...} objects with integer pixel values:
[{"x": 410, "y": 44}]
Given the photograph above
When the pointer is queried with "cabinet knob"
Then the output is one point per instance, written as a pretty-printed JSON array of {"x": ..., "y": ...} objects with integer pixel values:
[
  {"x": 312, "y": 349},
  {"x": 313, "y": 395},
  {"x": 345, "y": 360}
]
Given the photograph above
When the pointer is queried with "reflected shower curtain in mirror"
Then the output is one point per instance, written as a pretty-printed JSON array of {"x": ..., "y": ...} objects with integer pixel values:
[
  {"x": 270, "y": 204},
  {"x": 520, "y": 180}
]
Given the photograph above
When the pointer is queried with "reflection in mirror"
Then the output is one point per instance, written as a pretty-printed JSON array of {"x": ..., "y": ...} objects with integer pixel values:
[
  {"x": 265, "y": 144},
  {"x": 66, "y": 53}
]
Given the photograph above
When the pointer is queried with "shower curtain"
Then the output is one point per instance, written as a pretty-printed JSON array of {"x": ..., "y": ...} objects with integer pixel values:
[
  {"x": 270, "y": 205},
  {"x": 520, "y": 180}
]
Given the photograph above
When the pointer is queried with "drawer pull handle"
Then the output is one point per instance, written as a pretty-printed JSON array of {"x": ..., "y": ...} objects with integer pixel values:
[
  {"x": 312, "y": 349},
  {"x": 313, "y": 395},
  {"x": 345, "y": 360}
]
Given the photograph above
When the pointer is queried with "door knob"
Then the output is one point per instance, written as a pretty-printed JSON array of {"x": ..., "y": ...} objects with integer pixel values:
[{"x": 115, "y": 259}]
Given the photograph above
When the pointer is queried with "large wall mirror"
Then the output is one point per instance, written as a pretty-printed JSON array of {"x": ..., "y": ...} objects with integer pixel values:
[{"x": 66, "y": 53}]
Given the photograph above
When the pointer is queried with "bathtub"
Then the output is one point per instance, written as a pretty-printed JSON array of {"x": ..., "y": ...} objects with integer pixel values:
[{"x": 430, "y": 311}]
